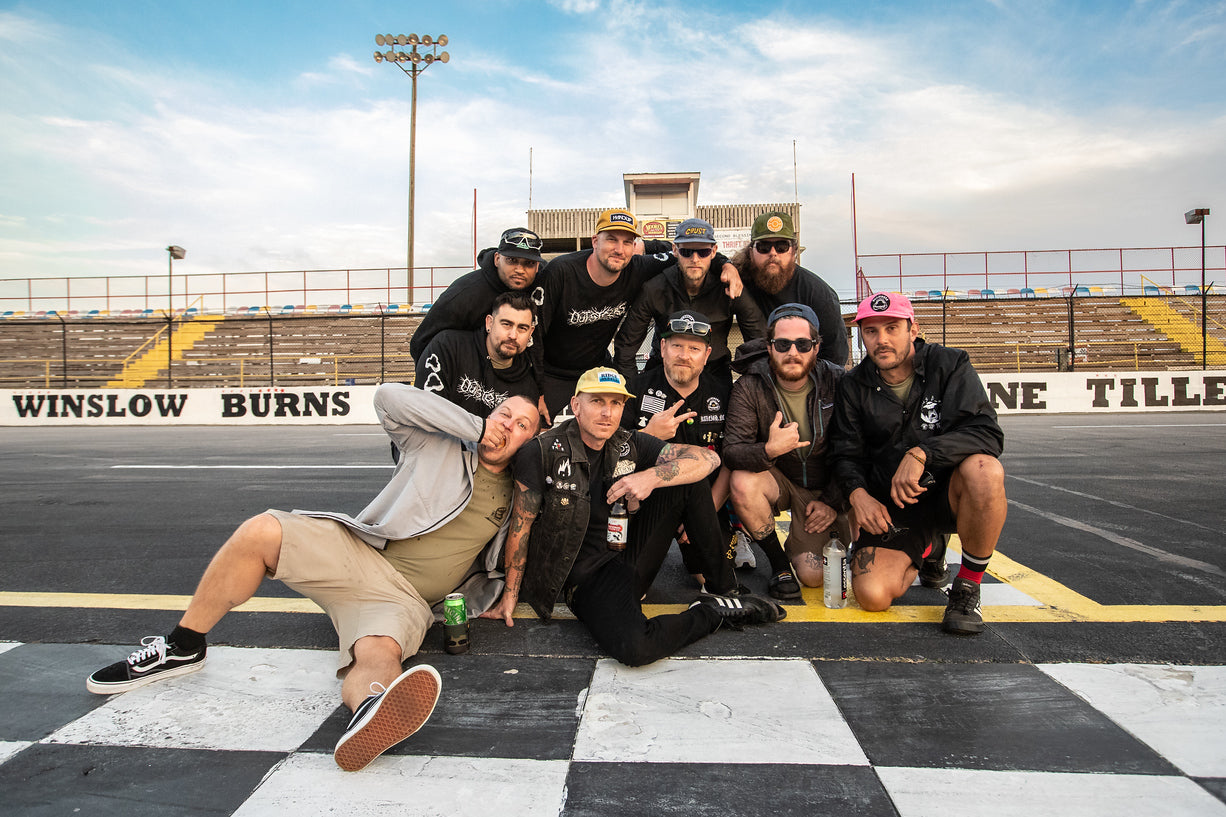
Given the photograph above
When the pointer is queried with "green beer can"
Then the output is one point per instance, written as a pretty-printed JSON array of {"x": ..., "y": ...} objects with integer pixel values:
[{"x": 455, "y": 624}]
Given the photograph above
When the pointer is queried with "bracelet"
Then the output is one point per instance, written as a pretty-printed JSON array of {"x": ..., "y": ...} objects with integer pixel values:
[{"x": 913, "y": 454}]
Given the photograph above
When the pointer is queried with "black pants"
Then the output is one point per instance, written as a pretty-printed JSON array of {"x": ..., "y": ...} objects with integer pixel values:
[{"x": 609, "y": 601}]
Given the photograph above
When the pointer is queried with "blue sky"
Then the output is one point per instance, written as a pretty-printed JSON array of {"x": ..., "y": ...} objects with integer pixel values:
[{"x": 263, "y": 136}]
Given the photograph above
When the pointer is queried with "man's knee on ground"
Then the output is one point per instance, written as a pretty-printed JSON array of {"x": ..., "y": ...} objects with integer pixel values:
[{"x": 872, "y": 595}]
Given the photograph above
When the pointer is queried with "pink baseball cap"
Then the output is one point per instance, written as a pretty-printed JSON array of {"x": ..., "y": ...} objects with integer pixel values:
[{"x": 885, "y": 305}]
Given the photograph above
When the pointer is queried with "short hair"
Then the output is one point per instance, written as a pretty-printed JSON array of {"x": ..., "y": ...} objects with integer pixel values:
[{"x": 516, "y": 299}]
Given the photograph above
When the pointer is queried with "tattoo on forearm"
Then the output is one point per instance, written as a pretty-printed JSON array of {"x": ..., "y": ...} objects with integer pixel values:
[
  {"x": 763, "y": 532},
  {"x": 667, "y": 471},
  {"x": 862, "y": 560}
]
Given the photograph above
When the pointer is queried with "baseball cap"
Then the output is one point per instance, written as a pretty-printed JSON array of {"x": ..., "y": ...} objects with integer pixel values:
[
  {"x": 885, "y": 305},
  {"x": 519, "y": 242},
  {"x": 775, "y": 224},
  {"x": 695, "y": 231},
  {"x": 687, "y": 322},
  {"x": 602, "y": 381},
  {"x": 618, "y": 219},
  {"x": 793, "y": 311}
]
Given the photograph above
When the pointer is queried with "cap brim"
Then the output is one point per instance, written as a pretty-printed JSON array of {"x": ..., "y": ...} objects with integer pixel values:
[{"x": 527, "y": 255}]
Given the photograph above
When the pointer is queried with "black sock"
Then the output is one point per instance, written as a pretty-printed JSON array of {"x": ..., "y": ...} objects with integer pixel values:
[
  {"x": 774, "y": 552},
  {"x": 186, "y": 640}
]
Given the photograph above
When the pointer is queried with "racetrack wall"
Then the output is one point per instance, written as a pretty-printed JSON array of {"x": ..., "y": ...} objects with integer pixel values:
[{"x": 1010, "y": 393}]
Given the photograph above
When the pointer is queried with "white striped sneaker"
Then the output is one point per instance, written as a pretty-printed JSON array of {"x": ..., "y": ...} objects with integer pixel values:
[{"x": 154, "y": 661}]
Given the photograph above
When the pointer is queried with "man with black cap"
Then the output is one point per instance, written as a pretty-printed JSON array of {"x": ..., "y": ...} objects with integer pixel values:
[
  {"x": 687, "y": 285},
  {"x": 916, "y": 447},
  {"x": 560, "y": 547},
  {"x": 510, "y": 267},
  {"x": 775, "y": 443},
  {"x": 586, "y": 295},
  {"x": 680, "y": 401},
  {"x": 773, "y": 278}
]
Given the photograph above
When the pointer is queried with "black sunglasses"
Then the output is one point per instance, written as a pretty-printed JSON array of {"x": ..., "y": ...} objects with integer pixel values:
[
  {"x": 803, "y": 345},
  {"x": 779, "y": 245},
  {"x": 686, "y": 252},
  {"x": 689, "y": 326}
]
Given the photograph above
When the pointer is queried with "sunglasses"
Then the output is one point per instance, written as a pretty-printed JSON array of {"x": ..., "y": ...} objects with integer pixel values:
[
  {"x": 686, "y": 252},
  {"x": 688, "y": 326},
  {"x": 803, "y": 345},
  {"x": 779, "y": 245},
  {"x": 523, "y": 241}
]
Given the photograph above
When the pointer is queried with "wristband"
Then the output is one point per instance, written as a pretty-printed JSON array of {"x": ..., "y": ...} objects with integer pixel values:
[{"x": 913, "y": 454}]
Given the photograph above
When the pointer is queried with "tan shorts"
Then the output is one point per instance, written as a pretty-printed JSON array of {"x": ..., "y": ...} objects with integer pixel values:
[
  {"x": 793, "y": 498},
  {"x": 358, "y": 589}
]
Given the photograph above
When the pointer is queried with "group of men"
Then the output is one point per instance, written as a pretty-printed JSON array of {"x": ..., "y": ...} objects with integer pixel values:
[{"x": 523, "y": 430}]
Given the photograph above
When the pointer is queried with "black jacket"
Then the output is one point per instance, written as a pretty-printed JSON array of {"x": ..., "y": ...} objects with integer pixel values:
[
  {"x": 464, "y": 304},
  {"x": 947, "y": 415},
  {"x": 457, "y": 365},
  {"x": 807, "y": 288},
  {"x": 751, "y": 411},
  {"x": 666, "y": 294}
]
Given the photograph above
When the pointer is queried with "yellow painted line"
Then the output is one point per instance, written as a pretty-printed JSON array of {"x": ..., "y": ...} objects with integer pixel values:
[{"x": 1057, "y": 604}]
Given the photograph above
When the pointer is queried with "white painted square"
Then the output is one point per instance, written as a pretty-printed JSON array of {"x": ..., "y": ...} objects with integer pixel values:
[
  {"x": 713, "y": 711},
  {"x": 992, "y": 594},
  {"x": 402, "y": 785},
  {"x": 942, "y": 792},
  {"x": 8, "y": 748},
  {"x": 243, "y": 699},
  {"x": 5, "y": 646},
  {"x": 1179, "y": 711}
]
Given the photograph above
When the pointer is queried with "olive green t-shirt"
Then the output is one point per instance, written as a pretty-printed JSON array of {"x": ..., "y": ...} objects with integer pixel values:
[{"x": 436, "y": 562}]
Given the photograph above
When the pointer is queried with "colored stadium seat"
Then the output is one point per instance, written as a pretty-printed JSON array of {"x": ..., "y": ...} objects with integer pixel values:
[
  {"x": 1079, "y": 291},
  {"x": 989, "y": 293},
  {"x": 935, "y": 294},
  {"x": 974, "y": 293},
  {"x": 920, "y": 295},
  {"x": 1027, "y": 292},
  {"x": 1191, "y": 289},
  {"x": 346, "y": 309},
  {"x": 1150, "y": 289},
  {"x": 7, "y": 314},
  {"x": 288, "y": 309}
]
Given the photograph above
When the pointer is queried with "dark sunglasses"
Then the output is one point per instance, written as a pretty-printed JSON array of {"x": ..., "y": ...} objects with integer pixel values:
[
  {"x": 687, "y": 326},
  {"x": 803, "y": 345},
  {"x": 779, "y": 245},
  {"x": 523, "y": 241},
  {"x": 686, "y": 252}
]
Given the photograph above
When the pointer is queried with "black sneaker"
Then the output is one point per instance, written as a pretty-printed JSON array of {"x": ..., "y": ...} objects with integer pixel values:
[
  {"x": 154, "y": 661},
  {"x": 934, "y": 572},
  {"x": 783, "y": 586},
  {"x": 388, "y": 717},
  {"x": 746, "y": 609},
  {"x": 962, "y": 616}
]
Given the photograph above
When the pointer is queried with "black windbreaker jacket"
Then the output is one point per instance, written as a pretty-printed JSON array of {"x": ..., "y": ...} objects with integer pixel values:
[{"x": 947, "y": 415}]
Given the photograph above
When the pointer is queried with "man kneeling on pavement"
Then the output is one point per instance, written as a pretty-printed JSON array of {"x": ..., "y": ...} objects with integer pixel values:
[
  {"x": 916, "y": 446},
  {"x": 558, "y": 548}
]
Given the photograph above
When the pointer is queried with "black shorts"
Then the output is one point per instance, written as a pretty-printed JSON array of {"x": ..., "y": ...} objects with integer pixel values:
[{"x": 915, "y": 526}]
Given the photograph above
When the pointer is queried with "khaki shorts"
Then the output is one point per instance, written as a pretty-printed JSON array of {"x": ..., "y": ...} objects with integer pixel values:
[
  {"x": 793, "y": 498},
  {"x": 358, "y": 589}
]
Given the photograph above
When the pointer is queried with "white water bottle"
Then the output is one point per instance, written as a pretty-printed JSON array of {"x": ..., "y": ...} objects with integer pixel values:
[{"x": 834, "y": 573}]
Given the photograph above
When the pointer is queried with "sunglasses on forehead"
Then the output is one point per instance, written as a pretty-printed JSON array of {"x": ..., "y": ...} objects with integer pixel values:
[
  {"x": 779, "y": 245},
  {"x": 523, "y": 241},
  {"x": 703, "y": 252},
  {"x": 689, "y": 326},
  {"x": 803, "y": 345}
]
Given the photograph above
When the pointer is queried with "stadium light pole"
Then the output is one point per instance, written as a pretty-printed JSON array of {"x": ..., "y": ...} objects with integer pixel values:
[
  {"x": 412, "y": 62},
  {"x": 1197, "y": 216},
  {"x": 175, "y": 252}
]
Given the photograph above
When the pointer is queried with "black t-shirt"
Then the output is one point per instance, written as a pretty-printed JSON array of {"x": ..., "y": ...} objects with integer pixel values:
[
  {"x": 594, "y": 551},
  {"x": 709, "y": 400}
]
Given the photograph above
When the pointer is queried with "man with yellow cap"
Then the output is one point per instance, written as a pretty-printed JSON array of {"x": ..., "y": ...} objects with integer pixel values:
[{"x": 559, "y": 547}]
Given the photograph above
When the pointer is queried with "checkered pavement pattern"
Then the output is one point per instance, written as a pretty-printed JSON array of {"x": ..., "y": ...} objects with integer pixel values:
[{"x": 252, "y": 734}]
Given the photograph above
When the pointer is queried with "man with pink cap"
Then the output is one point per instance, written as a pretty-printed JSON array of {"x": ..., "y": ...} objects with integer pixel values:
[{"x": 916, "y": 449}]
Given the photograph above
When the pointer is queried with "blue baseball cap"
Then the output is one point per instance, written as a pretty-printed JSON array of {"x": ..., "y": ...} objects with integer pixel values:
[{"x": 695, "y": 231}]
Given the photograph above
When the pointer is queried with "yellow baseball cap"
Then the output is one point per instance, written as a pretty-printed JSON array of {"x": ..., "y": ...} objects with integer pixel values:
[
  {"x": 602, "y": 381},
  {"x": 616, "y": 219}
]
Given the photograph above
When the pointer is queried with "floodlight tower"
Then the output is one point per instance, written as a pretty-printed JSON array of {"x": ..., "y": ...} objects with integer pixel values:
[
  {"x": 1197, "y": 216},
  {"x": 179, "y": 253},
  {"x": 412, "y": 62}
]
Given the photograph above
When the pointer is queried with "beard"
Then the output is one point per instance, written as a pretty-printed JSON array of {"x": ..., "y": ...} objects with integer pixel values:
[
  {"x": 791, "y": 369},
  {"x": 771, "y": 276}
]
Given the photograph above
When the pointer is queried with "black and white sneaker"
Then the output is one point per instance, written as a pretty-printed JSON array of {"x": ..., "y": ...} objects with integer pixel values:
[
  {"x": 934, "y": 570},
  {"x": 154, "y": 661},
  {"x": 388, "y": 716},
  {"x": 962, "y": 614},
  {"x": 743, "y": 609}
]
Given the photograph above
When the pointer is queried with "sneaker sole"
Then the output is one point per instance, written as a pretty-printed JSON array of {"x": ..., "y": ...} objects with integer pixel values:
[
  {"x": 100, "y": 688},
  {"x": 963, "y": 627},
  {"x": 404, "y": 708}
]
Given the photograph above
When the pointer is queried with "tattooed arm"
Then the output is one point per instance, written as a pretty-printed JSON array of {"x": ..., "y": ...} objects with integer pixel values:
[
  {"x": 525, "y": 505},
  {"x": 676, "y": 465}
]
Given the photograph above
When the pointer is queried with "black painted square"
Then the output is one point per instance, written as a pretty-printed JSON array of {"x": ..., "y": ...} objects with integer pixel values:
[{"x": 44, "y": 686}]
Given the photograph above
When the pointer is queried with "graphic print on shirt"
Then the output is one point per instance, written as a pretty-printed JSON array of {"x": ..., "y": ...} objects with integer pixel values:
[
  {"x": 930, "y": 413},
  {"x": 433, "y": 382},
  {"x": 584, "y": 317},
  {"x": 471, "y": 388}
]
